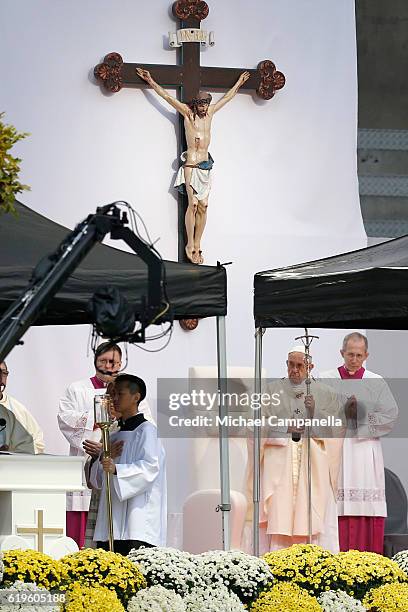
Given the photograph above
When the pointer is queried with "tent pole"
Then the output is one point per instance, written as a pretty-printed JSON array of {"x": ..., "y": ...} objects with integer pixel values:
[
  {"x": 225, "y": 505},
  {"x": 257, "y": 441}
]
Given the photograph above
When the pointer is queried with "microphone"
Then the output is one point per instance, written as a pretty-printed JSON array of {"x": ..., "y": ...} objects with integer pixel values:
[
  {"x": 107, "y": 372},
  {"x": 295, "y": 437},
  {"x": 3, "y": 423}
]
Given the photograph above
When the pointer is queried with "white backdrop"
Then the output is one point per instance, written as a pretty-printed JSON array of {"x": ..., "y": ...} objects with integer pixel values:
[{"x": 285, "y": 184}]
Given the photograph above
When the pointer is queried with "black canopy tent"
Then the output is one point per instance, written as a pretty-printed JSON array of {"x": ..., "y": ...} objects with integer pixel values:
[
  {"x": 193, "y": 291},
  {"x": 367, "y": 288}
]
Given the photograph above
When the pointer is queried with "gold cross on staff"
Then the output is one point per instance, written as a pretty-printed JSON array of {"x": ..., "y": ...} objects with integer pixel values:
[{"x": 39, "y": 530}]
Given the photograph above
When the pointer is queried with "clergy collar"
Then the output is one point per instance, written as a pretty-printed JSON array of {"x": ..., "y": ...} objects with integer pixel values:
[
  {"x": 132, "y": 422},
  {"x": 345, "y": 374},
  {"x": 98, "y": 383}
]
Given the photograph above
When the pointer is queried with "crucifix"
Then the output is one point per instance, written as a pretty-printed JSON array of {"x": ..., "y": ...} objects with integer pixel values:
[
  {"x": 39, "y": 530},
  {"x": 188, "y": 77}
]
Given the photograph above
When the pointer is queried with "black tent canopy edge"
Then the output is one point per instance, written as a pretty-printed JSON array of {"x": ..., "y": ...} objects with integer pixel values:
[
  {"x": 194, "y": 291},
  {"x": 365, "y": 288}
]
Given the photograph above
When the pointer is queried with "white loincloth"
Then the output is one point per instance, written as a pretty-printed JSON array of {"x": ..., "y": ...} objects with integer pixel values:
[{"x": 200, "y": 181}]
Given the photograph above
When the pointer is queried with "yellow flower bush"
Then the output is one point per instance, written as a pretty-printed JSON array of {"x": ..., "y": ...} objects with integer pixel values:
[
  {"x": 309, "y": 566},
  {"x": 387, "y": 598},
  {"x": 82, "y": 598},
  {"x": 99, "y": 567},
  {"x": 286, "y": 597},
  {"x": 317, "y": 570},
  {"x": 31, "y": 566},
  {"x": 359, "y": 572}
]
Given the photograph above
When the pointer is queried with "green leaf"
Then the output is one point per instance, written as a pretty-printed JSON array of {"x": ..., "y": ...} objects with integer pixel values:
[{"x": 10, "y": 186}]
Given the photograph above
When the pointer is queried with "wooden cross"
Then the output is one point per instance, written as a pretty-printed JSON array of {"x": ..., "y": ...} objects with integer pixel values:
[
  {"x": 39, "y": 530},
  {"x": 188, "y": 77}
]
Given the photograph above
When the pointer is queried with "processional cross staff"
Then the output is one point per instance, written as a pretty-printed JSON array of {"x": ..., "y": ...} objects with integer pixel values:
[{"x": 188, "y": 77}]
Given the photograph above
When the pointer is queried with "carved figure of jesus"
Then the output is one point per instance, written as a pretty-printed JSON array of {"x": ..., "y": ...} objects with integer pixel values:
[{"x": 194, "y": 174}]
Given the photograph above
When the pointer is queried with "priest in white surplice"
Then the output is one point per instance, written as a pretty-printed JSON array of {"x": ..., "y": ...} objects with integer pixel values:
[
  {"x": 139, "y": 495},
  {"x": 76, "y": 422},
  {"x": 372, "y": 412},
  {"x": 284, "y": 483}
]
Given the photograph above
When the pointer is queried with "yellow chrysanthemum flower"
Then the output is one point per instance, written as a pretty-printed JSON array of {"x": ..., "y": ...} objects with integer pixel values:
[
  {"x": 98, "y": 567},
  {"x": 388, "y": 598},
  {"x": 288, "y": 597},
  {"x": 83, "y": 598},
  {"x": 317, "y": 570},
  {"x": 309, "y": 566},
  {"x": 31, "y": 566},
  {"x": 363, "y": 571}
]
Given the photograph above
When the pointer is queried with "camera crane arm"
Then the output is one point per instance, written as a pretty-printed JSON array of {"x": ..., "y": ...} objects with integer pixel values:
[{"x": 52, "y": 271}]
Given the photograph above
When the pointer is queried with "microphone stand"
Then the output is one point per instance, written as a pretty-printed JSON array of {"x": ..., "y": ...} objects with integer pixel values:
[
  {"x": 307, "y": 341},
  {"x": 103, "y": 420}
]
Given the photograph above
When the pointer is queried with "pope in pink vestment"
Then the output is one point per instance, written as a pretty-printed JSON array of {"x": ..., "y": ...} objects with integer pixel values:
[{"x": 284, "y": 479}]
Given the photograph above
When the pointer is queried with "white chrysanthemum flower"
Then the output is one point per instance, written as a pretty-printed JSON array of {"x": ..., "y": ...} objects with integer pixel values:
[
  {"x": 171, "y": 568},
  {"x": 215, "y": 599},
  {"x": 27, "y": 597},
  {"x": 156, "y": 599},
  {"x": 243, "y": 574},
  {"x": 339, "y": 601},
  {"x": 402, "y": 559}
]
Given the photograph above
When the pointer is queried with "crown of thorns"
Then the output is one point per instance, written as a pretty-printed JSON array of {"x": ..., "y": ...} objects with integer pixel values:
[{"x": 197, "y": 101}]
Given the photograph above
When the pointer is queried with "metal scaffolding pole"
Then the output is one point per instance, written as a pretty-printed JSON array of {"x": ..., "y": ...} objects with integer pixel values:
[
  {"x": 257, "y": 442},
  {"x": 225, "y": 505}
]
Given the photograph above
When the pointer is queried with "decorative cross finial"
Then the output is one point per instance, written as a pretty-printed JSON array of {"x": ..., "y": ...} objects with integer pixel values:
[
  {"x": 190, "y": 9},
  {"x": 271, "y": 80}
]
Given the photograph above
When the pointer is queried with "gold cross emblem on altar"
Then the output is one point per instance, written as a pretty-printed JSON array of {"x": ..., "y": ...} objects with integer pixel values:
[{"x": 39, "y": 530}]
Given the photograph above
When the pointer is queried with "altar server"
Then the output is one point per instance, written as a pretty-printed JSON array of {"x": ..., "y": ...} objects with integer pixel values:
[
  {"x": 139, "y": 495},
  {"x": 76, "y": 422}
]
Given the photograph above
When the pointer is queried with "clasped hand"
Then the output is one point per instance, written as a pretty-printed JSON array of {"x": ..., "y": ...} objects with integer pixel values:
[
  {"x": 108, "y": 465},
  {"x": 310, "y": 406},
  {"x": 351, "y": 408},
  {"x": 94, "y": 448}
]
